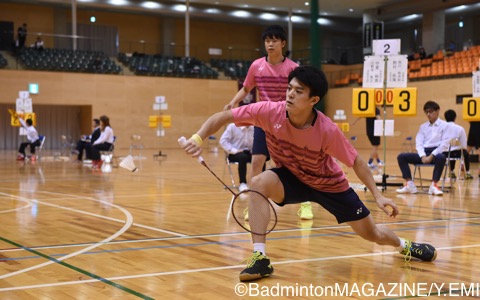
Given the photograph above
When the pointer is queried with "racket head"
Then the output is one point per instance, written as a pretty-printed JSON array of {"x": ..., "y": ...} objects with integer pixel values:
[{"x": 262, "y": 220}]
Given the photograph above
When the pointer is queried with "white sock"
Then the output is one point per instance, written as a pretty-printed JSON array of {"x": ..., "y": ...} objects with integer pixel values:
[
  {"x": 410, "y": 183},
  {"x": 259, "y": 247},
  {"x": 402, "y": 245}
]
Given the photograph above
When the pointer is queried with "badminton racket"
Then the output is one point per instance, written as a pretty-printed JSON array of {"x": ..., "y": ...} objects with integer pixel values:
[{"x": 262, "y": 220}]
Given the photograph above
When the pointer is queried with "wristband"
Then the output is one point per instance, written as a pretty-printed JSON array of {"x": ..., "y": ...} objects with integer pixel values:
[{"x": 198, "y": 140}]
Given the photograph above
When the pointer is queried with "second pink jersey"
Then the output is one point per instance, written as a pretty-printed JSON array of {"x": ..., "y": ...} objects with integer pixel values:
[
  {"x": 308, "y": 153},
  {"x": 271, "y": 80}
]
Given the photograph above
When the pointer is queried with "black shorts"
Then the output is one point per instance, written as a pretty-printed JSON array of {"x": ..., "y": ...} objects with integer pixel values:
[
  {"x": 345, "y": 206},
  {"x": 259, "y": 142},
  {"x": 374, "y": 140},
  {"x": 473, "y": 139}
]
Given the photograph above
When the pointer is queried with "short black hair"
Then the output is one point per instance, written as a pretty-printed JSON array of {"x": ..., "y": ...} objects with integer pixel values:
[
  {"x": 29, "y": 122},
  {"x": 450, "y": 115},
  {"x": 96, "y": 121},
  {"x": 311, "y": 77},
  {"x": 431, "y": 105},
  {"x": 274, "y": 31}
]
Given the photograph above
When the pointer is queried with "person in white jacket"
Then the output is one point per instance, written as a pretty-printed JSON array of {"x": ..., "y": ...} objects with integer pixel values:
[
  {"x": 32, "y": 137},
  {"x": 238, "y": 143}
]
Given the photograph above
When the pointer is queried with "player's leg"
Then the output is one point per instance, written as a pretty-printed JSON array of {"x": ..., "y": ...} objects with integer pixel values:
[
  {"x": 382, "y": 235},
  {"x": 270, "y": 186}
]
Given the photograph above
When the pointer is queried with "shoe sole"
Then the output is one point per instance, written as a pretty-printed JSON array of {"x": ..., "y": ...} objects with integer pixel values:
[
  {"x": 249, "y": 277},
  {"x": 434, "y": 255}
]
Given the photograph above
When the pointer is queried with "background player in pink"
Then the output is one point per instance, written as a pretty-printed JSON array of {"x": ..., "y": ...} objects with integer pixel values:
[
  {"x": 305, "y": 143},
  {"x": 269, "y": 74}
]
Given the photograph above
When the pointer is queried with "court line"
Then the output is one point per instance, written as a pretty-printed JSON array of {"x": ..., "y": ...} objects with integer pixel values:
[
  {"x": 245, "y": 233},
  {"x": 126, "y": 226},
  {"x": 307, "y": 260}
]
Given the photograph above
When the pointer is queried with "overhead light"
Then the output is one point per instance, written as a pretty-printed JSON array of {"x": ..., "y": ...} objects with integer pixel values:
[
  {"x": 307, "y": 3},
  {"x": 179, "y": 7},
  {"x": 212, "y": 11},
  {"x": 268, "y": 16},
  {"x": 460, "y": 24},
  {"x": 457, "y": 8},
  {"x": 241, "y": 14},
  {"x": 150, "y": 4},
  {"x": 350, "y": 10},
  {"x": 93, "y": 19},
  {"x": 323, "y": 21},
  {"x": 118, "y": 2},
  {"x": 297, "y": 19},
  {"x": 409, "y": 17}
]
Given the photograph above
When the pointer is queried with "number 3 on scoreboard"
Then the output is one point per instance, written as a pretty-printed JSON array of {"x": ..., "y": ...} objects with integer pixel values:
[
  {"x": 405, "y": 102},
  {"x": 363, "y": 102}
]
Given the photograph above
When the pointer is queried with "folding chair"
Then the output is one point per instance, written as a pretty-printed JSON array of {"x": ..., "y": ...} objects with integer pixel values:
[
  {"x": 107, "y": 155},
  {"x": 453, "y": 143},
  {"x": 419, "y": 167},
  {"x": 135, "y": 143},
  {"x": 38, "y": 149},
  {"x": 228, "y": 164},
  {"x": 407, "y": 145}
]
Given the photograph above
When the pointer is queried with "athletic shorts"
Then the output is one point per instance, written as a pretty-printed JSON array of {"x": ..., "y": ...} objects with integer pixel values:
[
  {"x": 374, "y": 140},
  {"x": 259, "y": 142},
  {"x": 345, "y": 206},
  {"x": 473, "y": 139}
]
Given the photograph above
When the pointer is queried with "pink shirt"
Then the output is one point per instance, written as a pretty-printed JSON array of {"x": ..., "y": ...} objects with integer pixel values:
[
  {"x": 308, "y": 153},
  {"x": 270, "y": 80}
]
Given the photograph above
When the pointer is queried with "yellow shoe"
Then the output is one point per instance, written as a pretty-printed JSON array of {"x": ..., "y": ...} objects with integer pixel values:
[
  {"x": 305, "y": 211},
  {"x": 245, "y": 214}
]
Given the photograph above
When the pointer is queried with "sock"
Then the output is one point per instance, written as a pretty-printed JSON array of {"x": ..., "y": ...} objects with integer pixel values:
[
  {"x": 410, "y": 183},
  {"x": 370, "y": 160},
  {"x": 259, "y": 247},
  {"x": 402, "y": 245}
]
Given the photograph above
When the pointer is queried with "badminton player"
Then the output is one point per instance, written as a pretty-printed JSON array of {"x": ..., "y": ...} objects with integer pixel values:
[{"x": 304, "y": 144}]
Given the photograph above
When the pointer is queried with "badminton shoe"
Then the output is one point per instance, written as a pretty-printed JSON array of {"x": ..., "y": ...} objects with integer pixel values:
[
  {"x": 424, "y": 252},
  {"x": 407, "y": 189},
  {"x": 258, "y": 266},
  {"x": 305, "y": 211},
  {"x": 20, "y": 157},
  {"x": 468, "y": 176},
  {"x": 435, "y": 190}
]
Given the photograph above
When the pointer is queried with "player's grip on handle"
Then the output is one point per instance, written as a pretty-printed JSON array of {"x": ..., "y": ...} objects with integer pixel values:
[{"x": 182, "y": 141}]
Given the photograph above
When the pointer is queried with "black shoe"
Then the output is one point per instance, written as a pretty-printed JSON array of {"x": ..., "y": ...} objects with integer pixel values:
[
  {"x": 424, "y": 252},
  {"x": 258, "y": 266}
]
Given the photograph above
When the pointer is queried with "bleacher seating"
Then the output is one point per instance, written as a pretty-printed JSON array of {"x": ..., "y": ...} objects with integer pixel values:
[
  {"x": 3, "y": 61},
  {"x": 156, "y": 65},
  {"x": 235, "y": 69},
  {"x": 65, "y": 60}
]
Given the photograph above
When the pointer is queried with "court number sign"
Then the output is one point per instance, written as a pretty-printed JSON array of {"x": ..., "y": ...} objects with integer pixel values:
[
  {"x": 471, "y": 109},
  {"x": 403, "y": 100}
]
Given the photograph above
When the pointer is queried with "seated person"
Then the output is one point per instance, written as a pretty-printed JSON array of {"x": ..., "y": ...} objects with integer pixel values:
[
  {"x": 103, "y": 143},
  {"x": 32, "y": 137},
  {"x": 85, "y": 142},
  {"x": 457, "y": 131},
  {"x": 238, "y": 143},
  {"x": 431, "y": 141}
]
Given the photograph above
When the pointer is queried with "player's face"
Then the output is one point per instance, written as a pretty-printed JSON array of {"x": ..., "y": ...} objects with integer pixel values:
[
  {"x": 273, "y": 45},
  {"x": 432, "y": 115},
  {"x": 298, "y": 97}
]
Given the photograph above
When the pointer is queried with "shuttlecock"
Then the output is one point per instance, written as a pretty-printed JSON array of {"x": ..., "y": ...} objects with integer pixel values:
[{"x": 129, "y": 164}]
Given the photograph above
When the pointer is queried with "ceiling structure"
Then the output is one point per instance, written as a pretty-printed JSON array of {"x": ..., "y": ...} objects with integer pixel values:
[{"x": 254, "y": 11}]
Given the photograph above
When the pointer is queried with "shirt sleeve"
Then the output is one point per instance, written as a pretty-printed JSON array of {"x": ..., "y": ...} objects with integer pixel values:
[
  {"x": 419, "y": 140},
  {"x": 225, "y": 139}
]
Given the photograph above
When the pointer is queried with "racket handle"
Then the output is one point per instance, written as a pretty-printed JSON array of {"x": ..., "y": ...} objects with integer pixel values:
[{"x": 182, "y": 141}]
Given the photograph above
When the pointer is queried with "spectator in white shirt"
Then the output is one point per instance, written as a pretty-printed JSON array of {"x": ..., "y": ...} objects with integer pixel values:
[
  {"x": 431, "y": 141},
  {"x": 103, "y": 143},
  {"x": 238, "y": 143},
  {"x": 457, "y": 132},
  {"x": 32, "y": 137}
]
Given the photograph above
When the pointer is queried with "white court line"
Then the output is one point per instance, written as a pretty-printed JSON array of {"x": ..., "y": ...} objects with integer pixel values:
[
  {"x": 29, "y": 204},
  {"x": 217, "y": 269},
  {"x": 186, "y": 237},
  {"x": 126, "y": 226},
  {"x": 109, "y": 218}
]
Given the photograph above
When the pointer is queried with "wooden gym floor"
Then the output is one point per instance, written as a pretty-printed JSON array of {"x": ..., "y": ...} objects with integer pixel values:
[{"x": 164, "y": 233}]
